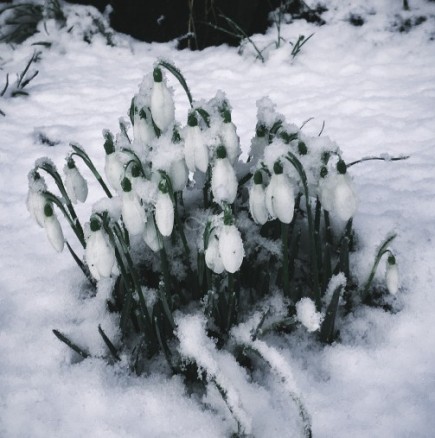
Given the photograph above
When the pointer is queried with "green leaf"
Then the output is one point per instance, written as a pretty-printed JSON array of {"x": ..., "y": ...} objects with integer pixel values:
[
  {"x": 109, "y": 344},
  {"x": 71, "y": 344}
]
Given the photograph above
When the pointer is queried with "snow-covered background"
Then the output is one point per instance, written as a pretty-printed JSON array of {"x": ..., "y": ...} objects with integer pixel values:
[{"x": 375, "y": 89}]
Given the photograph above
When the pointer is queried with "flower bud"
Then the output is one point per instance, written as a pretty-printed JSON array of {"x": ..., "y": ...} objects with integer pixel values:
[
  {"x": 75, "y": 184},
  {"x": 257, "y": 200},
  {"x": 179, "y": 174},
  {"x": 114, "y": 170},
  {"x": 53, "y": 228},
  {"x": 35, "y": 205},
  {"x": 231, "y": 140},
  {"x": 223, "y": 179},
  {"x": 162, "y": 104},
  {"x": 344, "y": 198},
  {"x": 143, "y": 130},
  {"x": 150, "y": 235},
  {"x": 133, "y": 213},
  {"x": 213, "y": 258},
  {"x": 100, "y": 254},
  {"x": 164, "y": 210},
  {"x": 195, "y": 150},
  {"x": 231, "y": 248},
  {"x": 392, "y": 275}
]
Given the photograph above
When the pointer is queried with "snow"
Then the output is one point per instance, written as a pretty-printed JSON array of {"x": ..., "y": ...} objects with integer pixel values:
[{"x": 374, "y": 88}]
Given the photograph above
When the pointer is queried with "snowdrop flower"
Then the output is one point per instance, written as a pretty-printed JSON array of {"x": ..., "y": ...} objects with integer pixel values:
[
  {"x": 258, "y": 144},
  {"x": 113, "y": 168},
  {"x": 195, "y": 150},
  {"x": 162, "y": 105},
  {"x": 223, "y": 179},
  {"x": 150, "y": 235},
  {"x": 306, "y": 314},
  {"x": 75, "y": 184},
  {"x": 344, "y": 195},
  {"x": 213, "y": 257},
  {"x": 133, "y": 213},
  {"x": 164, "y": 210},
  {"x": 35, "y": 199},
  {"x": 257, "y": 200},
  {"x": 229, "y": 137},
  {"x": 100, "y": 254},
  {"x": 53, "y": 228},
  {"x": 392, "y": 275},
  {"x": 143, "y": 130},
  {"x": 231, "y": 247},
  {"x": 326, "y": 189},
  {"x": 179, "y": 174},
  {"x": 280, "y": 196}
]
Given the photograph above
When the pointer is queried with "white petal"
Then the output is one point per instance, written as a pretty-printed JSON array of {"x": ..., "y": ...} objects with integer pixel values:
[
  {"x": 133, "y": 213},
  {"x": 76, "y": 186},
  {"x": 392, "y": 278},
  {"x": 162, "y": 106},
  {"x": 35, "y": 205},
  {"x": 344, "y": 198},
  {"x": 231, "y": 141},
  {"x": 257, "y": 204},
  {"x": 283, "y": 198},
  {"x": 54, "y": 232},
  {"x": 231, "y": 248},
  {"x": 192, "y": 139},
  {"x": 150, "y": 235},
  {"x": 179, "y": 174},
  {"x": 268, "y": 199},
  {"x": 114, "y": 171},
  {"x": 143, "y": 132},
  {"x": 100, "y": 255},
  {"x": 212, "y": 255},
  {"x": 201, "y": 157},
  {"x": 224, "y": 181},
  {"x": 164, "y": 214}
]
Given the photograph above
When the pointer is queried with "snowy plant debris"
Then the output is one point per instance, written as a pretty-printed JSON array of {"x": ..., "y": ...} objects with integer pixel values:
[{"x": 372, "y": 86}]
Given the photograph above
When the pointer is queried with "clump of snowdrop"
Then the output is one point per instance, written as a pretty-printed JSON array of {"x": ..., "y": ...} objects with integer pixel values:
[{"x": 187, "y": 225}]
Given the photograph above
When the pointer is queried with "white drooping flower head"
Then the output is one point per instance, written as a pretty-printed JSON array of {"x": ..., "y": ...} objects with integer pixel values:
[
  {"x": 257, "y": 200},
  {"x": 336, "y": 192},
  {"x": 151, "y": 236},
  {"x": 100, "y": 253},
  {"x": 230, "y": 245},
  {"x": 113, "y": 167},
  {"x": 143, "y": 130},
  {"x": 306, "y": 314},
  {"x": 162, "y": 104},
  {"x": 195, "y": 150},
  {"x": 133, "y": 213},
  {"x": 280, "y": 195},
  {"x": 392, "y": 275},
  {"x": 213, "y": 257},
  {"x": 223, "y": 179},
  {"x": 229, "y": 137},
  {"x": 75, "y": 185},
  {"x": 164, "y": 210},
  {"x": 53, "y": 228},
  {"x": 35, "y": 199}
]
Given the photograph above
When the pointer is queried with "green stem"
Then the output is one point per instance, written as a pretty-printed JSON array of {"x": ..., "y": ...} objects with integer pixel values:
[
  {"x": 86, "y": 159},
  {"x": 285, "y": 258}
]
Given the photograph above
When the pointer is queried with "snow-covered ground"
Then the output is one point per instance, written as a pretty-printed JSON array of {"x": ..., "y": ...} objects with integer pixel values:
[{"x": 374, "y": 88}]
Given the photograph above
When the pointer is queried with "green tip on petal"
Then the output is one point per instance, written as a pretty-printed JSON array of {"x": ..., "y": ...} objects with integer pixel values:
[
  {"x": 221, "y": 152},
  {"x": 192, "y": 120},
  {"x": 226, "y": 115},
  {"x": 258, "y": 177},
  {"x": 95, "y": 225},
  {"x": 126, "y": 184},
  {"x": 261, "y": 130},
  {"x": 176, "y": 138},
  {"x": 135, "y": 171},
  {"x": 325, "y": 157},
  {"x": 391, "y": 260},
  {"x": 323, "y": 172},
  {"x": 277, "y": 168},
  {"x": 163, "y": 186},
  {"x": 48, "y": 210},
  {"x": 341, "y": 167},
  {"x": 70, "y": 163},
  {"x": 109, "y": 146},
  {"x": 157, "y": 74},
  {"x": 302, "y": 148}
]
